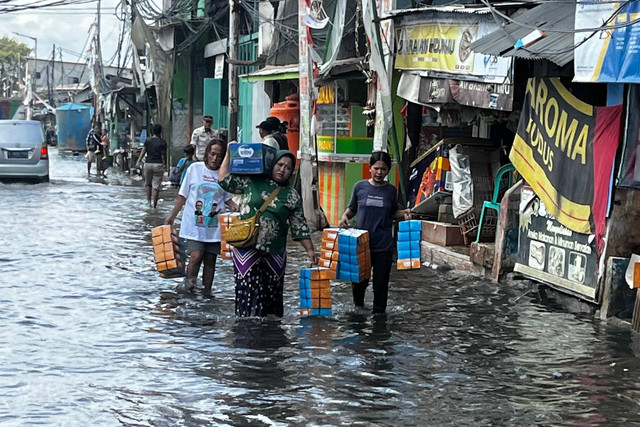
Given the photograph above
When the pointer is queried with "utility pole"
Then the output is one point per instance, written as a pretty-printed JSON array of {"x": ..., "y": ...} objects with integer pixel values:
[
  {"x": 233, "y": 70},
  {"x": 53, "y": 76},
  {"x": 97, "y": 63}
]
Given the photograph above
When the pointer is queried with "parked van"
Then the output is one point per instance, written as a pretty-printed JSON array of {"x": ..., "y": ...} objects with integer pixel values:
[{"x": 23, "y": 150}]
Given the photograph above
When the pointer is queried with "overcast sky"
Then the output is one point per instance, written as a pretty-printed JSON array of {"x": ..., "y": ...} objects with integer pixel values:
[{"x": 68, "y": 27}]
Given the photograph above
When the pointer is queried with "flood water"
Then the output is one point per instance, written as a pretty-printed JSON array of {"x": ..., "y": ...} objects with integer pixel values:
[{"x": 90, "y": 335}]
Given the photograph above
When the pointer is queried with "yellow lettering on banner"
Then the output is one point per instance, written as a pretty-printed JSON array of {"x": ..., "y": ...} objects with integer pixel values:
[
  {"x": 552, "y": 104},
  {"x": 541, "y": 98},
  {"x": 581, "y": 145},
  {"x": 550, "y": 117},
  {"x": 570, "y": 214},
  {"x": 531, "y": 91},
  {"x": 565, "y": 136}
]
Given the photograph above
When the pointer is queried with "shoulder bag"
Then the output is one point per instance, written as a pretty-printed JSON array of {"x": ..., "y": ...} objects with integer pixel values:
[{"x": 244, "y": 233}]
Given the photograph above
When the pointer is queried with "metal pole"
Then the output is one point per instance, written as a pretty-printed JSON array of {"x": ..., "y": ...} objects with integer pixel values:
[
  {"x": 233, "y": 70},
  {"x": 394, "y": 135},
  {"x": 53, "y": 76}
]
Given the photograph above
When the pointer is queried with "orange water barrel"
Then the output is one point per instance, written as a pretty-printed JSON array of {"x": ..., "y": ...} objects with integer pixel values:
[{"x": 289, "y": 111}]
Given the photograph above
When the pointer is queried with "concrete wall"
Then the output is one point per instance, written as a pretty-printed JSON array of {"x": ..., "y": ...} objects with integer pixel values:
[{"x": 624, "y": 233}]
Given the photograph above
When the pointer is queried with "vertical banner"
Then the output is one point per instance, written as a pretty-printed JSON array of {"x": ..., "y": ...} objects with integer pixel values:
[
  {"x": 630, "y": 167},
  {"x": 381, "y": 39},
  {"x": 565, "y": 148}
]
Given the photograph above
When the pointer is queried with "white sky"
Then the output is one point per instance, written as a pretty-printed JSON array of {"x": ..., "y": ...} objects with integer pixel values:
[{"x": 66, "y": 26}]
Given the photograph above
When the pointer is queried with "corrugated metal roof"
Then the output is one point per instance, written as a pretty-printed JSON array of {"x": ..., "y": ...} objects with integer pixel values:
[
  {"x": 556, "y": 47},
  {"x": 457, "y": 8}
]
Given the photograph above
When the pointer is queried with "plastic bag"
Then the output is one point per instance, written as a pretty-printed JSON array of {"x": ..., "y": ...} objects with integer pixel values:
[{"x": 462, "y": 197}]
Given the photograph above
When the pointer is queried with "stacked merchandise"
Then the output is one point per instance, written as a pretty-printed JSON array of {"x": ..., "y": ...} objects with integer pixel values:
[
  {"x": 354, "y": 257},
  {"x": 409, "y": 235},
  {"x": 329, "y": 253},
  {"x": 226, "y": 219},
  {"x": 167, "y": 251},
  {"x": 315, "y": 291}
]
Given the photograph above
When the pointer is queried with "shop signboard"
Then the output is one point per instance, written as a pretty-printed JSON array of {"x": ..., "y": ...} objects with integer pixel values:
[
  {"x": 611, "y": 55},
  {"x": 552, "y": 253},
  {"x": 443, "y": 45},
  {"x": 565, "y": 148},
  {"x": 428, "y": 90}
]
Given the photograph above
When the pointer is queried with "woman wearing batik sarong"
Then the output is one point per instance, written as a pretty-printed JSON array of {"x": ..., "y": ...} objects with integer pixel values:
[{"x": 259, "y": 271}]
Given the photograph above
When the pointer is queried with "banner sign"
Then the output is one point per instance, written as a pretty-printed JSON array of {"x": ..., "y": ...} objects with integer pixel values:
[
  {"x": 630, "y": 166},
  {"x": 444, "y": 45},
  {"x": 550, "y": 252},
  {"x": 610, "y": 55},
  {"x": 565, "y": 148},
  {"x": 428, "y": 91}
]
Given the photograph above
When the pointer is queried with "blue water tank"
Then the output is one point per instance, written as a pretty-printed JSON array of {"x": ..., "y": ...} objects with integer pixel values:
[{"x": 74, "y": 123}]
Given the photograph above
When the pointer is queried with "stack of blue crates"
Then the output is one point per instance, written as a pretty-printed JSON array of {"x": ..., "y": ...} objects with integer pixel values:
[
  {"x": 354, "y": 259},
  {"x": 409, "y": 235}
]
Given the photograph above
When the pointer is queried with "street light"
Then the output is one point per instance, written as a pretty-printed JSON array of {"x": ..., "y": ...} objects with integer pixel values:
[{"x": 35, "y": 70}]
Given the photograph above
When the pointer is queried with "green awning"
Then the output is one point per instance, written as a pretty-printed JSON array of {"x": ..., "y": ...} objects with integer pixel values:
[{"x": 270, "y": 73}]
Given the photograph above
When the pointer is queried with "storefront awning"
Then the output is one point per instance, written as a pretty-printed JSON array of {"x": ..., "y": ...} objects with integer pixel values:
[
  {"x": 273, "y": 72},
  {"x": 556, "y": 47}
]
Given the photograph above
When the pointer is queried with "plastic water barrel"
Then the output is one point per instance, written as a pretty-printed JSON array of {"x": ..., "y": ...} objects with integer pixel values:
[
  {"x": 73, "y": 123},
  {"x": 289, "y": 111}
]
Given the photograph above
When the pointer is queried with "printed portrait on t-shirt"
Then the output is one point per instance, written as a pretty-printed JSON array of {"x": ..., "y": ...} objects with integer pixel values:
[{"x": 207, "y": 208}]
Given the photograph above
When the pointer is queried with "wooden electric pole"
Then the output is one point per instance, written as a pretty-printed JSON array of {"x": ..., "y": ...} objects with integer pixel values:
[
  {"x": 52, "y": 102},
  {"x": 233, "y": 70}
]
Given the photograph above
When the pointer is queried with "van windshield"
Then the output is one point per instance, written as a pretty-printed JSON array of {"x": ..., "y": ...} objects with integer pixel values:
[{"x": 21, "y": 132}]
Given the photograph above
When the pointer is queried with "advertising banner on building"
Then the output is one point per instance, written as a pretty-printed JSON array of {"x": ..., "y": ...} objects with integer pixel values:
[
  {"x": 550, "y": 252},
  {"x": 630, "y": 166},
  {"x": 610, "y": 55},
  {"x": 429, "y": 91},
  {"x": 564, "y": 148},
  {"x": 443, "y": 45}
]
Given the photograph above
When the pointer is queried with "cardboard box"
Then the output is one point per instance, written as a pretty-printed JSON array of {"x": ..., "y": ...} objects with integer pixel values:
[
  {"x": 167, "y": 252},
  {"x": 251, "y": 158},
  {"x": 408, "y": 264},
  {"x": 315, "y": 291},
  {"x": 442, "y": 234}
]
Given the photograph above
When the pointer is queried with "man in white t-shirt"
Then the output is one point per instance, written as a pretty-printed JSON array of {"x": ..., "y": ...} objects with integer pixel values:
[
  {"x": 202, "y": 136},
  {"x": 203, "y": 199}
]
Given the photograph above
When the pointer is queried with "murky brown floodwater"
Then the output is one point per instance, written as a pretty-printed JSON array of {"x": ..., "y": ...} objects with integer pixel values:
[{"x": 90, "y": 335}]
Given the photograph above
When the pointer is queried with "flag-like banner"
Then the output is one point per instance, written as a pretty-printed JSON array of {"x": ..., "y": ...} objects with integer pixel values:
[{"x": 565, "y": 148}]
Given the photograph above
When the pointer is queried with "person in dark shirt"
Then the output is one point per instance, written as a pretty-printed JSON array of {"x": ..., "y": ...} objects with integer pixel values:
[
  {"x": 277, "y": 132},
  {"x": 155, "y": 149},
  {"x": 93, "y": 144},
  {"x": 374, "y": 203}
]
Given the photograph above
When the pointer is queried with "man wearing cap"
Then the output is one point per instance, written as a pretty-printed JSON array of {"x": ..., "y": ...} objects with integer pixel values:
[
  {"x": 201, "y": 137},
  {"x": 276, "y": 133},
  {"x": 265, "y": 130}
]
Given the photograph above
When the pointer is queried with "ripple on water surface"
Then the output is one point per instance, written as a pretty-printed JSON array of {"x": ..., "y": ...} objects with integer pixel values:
[{"x": 91, "y": 335}]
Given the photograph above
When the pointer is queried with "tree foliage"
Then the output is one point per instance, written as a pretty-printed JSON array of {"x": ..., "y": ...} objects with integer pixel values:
[
  {"x": 13, "y": 56},
  {"x": 11, "y": 51}
]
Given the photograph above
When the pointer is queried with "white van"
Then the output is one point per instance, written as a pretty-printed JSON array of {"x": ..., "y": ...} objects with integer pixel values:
[{"x": 23, "y": 151}]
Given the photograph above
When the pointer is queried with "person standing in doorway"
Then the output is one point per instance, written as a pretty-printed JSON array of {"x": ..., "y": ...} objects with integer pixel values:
[
  {"x": 200, "y": 192},
  {"x": 278, "y": 132},
  {"x": 202, "y": 136},
  {"x": 93, "y": 142},
  {"x": 155, "y": 149},
  {"x": 265, "y": 129},
  {"x": 374, "y": 203}
]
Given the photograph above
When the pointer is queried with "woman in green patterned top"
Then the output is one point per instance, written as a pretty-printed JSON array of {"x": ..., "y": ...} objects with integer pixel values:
[{"x": 259, "y": 271}]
